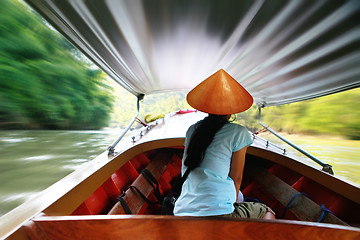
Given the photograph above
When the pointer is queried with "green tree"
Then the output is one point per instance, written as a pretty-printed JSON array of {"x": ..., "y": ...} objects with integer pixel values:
[
  {"x": 43, "y": 81},
  {"x": 335, "y": 114}
]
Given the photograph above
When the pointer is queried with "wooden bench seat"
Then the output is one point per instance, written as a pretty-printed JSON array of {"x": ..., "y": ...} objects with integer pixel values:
[
  {"x": 134, "y": 201},
  {"x": 302, "y": 207}
]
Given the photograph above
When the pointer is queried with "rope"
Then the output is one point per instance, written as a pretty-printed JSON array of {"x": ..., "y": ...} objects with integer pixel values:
[
  {"x": 141, "y": 122},
  {"x": 249, "y": 199},
  {"x": 323, "y": 208},
  {"x": 149, "y": 177},
  {"x": 123, "y": 203},
  {"x": 126, "y": 206},
  {"x": 154, "y": 183},
  {"x": 185, "y": 111},
  {"x": 260, "y": 131},
  {"x": 323, "y": 211},
  {"x": 290, "y": 202},
  {"x": 143, "y": 196}
]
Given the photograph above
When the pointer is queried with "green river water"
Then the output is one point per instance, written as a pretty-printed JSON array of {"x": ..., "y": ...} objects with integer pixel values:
[{"x": 30, "y": 161}]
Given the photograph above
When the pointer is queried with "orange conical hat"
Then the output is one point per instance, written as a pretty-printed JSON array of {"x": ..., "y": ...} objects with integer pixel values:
[{"x": 220, "y": 94}]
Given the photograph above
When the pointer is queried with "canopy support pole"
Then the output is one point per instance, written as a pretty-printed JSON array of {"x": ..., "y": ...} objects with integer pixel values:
[
  {"x": 326, "y": 167},
  {"x": 111, "y": 149}
]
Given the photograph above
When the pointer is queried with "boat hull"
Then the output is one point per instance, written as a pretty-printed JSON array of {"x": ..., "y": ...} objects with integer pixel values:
[{"x": 169, "y": 227}]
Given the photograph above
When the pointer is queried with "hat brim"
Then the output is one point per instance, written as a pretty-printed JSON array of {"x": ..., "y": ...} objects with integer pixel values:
[{"x": 220, "y": 94}]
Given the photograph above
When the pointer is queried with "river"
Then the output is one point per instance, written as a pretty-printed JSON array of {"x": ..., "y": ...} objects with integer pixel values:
[{"x": 33, "y": 160}]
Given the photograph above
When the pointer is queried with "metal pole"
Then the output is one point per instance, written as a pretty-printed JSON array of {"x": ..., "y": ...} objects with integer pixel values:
[
  {"x": 111, "y": 148},
  {"x": 326, "y": 167}
]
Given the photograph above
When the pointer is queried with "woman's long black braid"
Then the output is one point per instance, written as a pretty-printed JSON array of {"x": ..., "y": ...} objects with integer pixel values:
[{"x": 201, "y": 138}]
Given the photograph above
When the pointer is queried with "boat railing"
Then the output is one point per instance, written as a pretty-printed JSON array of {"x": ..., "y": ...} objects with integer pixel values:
[
  {"x": 325, "y": 166},
  {"x": 111, "y": 149},
  {"x": 267, "y": 143},
  {"x": 142, "y": 131},
  {"x": 148, "y": 126}
]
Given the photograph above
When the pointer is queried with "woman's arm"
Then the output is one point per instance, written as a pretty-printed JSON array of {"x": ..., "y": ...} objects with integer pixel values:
[{"x": 237, "y": 168}]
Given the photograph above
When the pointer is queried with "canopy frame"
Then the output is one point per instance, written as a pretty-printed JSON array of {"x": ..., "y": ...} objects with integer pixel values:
[
  {"x": 111, "y": 148},
  {"x": 325, "y": 166}
]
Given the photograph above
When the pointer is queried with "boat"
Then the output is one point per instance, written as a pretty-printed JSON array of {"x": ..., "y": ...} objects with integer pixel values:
[{"x": 280, "y": 51}]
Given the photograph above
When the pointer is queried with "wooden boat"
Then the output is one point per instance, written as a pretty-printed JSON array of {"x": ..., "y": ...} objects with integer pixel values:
[
  {"x": 89, "y": 203},
  {"x": 84, "y": 204}
]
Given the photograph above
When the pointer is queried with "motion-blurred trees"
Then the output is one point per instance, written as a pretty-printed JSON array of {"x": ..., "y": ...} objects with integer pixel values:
[
  {"x": 43, "y": 81},
  {"x": 337, "y": 114},
  {"x": 157, "y": 104}
]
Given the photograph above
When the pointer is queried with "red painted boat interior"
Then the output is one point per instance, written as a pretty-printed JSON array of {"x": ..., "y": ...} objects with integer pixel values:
[{"x": 103, "y": 199}]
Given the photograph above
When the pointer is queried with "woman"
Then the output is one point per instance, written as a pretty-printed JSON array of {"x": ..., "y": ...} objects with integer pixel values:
[{"x": 215, "y": 152}]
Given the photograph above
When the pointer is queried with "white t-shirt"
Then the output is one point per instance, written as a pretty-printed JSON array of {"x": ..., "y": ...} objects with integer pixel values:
[{"x": 208, "y": 190}]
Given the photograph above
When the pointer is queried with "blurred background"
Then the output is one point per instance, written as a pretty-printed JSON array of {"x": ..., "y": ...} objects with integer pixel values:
[{"x": 58, "y": 111}]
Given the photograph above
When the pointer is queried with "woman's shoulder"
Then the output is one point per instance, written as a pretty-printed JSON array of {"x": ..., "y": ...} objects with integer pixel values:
[
  {"x": 235, "y": 126},
  {"x": 235, "y": 129}
]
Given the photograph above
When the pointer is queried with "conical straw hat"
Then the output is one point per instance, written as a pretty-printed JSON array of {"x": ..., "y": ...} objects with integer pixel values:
[{"x": 220, "y": 94}]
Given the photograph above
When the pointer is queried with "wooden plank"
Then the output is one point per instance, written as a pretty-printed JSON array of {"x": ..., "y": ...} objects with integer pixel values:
[
  {"x": 303, "y": 207},
  {"x": 135, "y": 202},
  {"x": 170, "y": 227},
  {"x": 337, "y": 185}
]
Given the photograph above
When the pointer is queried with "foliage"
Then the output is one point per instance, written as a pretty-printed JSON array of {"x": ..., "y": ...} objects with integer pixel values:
[
  {"x": 43, "y": 81},
  {"x": 336, "y": 114},
  {"x": 157, "y": 104},
  {"x": 164, "y": 103}
]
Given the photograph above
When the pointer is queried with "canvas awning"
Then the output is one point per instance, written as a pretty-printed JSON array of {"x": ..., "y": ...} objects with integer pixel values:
[{"x": 281, "y": 51}]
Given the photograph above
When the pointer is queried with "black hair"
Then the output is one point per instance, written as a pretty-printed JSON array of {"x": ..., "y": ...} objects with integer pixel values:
[{"x": 201, "y": 138}]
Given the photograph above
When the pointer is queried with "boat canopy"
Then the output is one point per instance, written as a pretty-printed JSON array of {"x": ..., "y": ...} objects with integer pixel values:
[{"x": 281, "y": 51}]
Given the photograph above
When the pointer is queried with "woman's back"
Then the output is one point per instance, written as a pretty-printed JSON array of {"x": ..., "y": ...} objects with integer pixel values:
[{"x": 208, "y": 189}]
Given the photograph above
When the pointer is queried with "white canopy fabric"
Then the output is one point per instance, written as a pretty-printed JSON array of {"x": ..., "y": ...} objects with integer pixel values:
[{"x": 281, "y": 51}]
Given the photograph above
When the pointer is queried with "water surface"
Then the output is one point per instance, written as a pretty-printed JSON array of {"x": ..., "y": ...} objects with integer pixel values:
[{"x": 30, "y": 161}]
